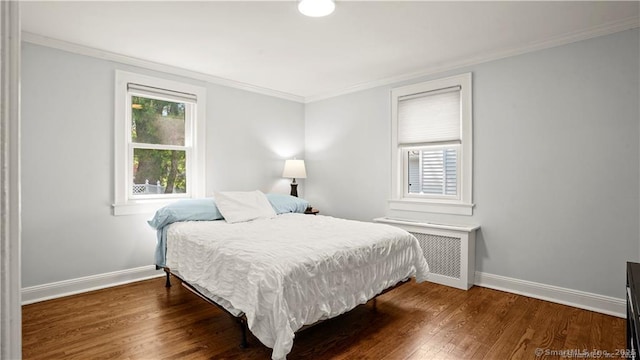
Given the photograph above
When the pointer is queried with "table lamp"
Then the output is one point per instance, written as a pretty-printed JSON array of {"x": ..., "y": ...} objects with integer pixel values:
[{"x": 294, "y": 169}]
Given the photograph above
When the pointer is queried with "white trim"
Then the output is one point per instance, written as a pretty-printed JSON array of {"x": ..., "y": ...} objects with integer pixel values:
[
  {"x": 33, "y": 294},
  {"x": 580, "y": 299},
  {"x": 195, "y": 141},
  {"x": 140, "y": 207},
  {"x": 124, "y": 59},
  {"x": 450, "y": 227},
  {"x": 10, "y": 193},
  {"x": 431, "y": 206},
  {"x": 398, "y": 198},
  {"x": 605, "y": 29}
]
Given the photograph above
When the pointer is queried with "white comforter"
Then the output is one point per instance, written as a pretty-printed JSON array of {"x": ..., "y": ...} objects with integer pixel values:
[{"x": 292, "y": 270}]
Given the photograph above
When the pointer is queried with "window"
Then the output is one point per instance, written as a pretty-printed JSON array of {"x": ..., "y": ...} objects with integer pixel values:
[
  {"x": 432, "y": 146},
  {"x": 159, "y": 142},
  {"x": 433, "y": 171}
]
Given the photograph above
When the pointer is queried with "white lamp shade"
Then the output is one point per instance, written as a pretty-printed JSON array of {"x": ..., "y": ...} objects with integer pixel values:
[
  {"x": 316, "y": 8},
  {"x": 294, "y": 169}
]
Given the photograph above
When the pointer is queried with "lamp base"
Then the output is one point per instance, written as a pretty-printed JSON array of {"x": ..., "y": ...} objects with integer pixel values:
[{"x": 294, "y": 190}]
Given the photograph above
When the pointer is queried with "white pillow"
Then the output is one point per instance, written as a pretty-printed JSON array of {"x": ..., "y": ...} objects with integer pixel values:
[{"x": 239, "y": 206}]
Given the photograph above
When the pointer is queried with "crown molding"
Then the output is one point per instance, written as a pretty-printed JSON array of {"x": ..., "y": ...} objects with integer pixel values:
[
  {"x": 605, "y": 29},
  {"x": 150, "y": 65}
]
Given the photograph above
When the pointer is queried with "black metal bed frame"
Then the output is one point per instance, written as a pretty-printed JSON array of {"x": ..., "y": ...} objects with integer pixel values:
[{"x": 241, "y": 319}]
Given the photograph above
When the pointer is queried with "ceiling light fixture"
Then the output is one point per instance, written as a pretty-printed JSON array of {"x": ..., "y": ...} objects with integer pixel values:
[{"x": 316, "y": 8}]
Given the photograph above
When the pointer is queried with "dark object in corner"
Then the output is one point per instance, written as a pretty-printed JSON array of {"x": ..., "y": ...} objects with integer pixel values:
[
  {"x": 633, "y": 318},
  {"x": 311, "y": 211}
]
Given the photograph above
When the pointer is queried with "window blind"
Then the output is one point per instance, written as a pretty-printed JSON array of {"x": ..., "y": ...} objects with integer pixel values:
[
  {"x": 428, "y": 117},
  {"x": 162, "y": 93}
]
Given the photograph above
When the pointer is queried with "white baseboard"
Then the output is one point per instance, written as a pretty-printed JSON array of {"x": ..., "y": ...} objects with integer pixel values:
[
  {"x": 33, "y": 294},
  {"x": 580, "y": 299}
]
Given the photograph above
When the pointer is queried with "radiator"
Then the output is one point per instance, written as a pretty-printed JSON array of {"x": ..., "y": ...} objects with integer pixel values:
[{"x": 448, "y": 249}]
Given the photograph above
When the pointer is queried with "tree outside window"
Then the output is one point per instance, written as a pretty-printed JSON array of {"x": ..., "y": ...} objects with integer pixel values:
[{"x": 158, "y": 122}]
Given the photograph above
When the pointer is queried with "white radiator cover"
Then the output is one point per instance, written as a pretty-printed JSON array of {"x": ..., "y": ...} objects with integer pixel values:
[{"x": 450, "y": 250}]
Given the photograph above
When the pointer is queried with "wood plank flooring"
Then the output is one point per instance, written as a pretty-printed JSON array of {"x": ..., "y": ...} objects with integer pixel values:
[{"x": 416, "y": 321}]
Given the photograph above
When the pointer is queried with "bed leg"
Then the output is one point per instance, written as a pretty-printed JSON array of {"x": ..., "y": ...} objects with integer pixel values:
[
  {"x": 243, "y": 329},
  {"x": 168, "y": 283}
]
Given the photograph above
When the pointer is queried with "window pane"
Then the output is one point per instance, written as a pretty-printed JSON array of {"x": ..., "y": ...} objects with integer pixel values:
[
  {"x": 159, "y": 172},
  {"x": 414, "y": 171},
  {"x": 157, "y": 121},
  {"x": 433, "y": 171}
]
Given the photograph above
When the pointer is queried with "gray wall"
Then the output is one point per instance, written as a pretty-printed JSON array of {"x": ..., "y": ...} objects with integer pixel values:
[
  {"x": 67, "y": 162},
  {"x": 556, "y": 162}
]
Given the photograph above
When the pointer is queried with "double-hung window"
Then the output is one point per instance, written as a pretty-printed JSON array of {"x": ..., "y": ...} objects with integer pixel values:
[
  {"x": 432, "y": 144},
  {"x": 159, "y": 142}
]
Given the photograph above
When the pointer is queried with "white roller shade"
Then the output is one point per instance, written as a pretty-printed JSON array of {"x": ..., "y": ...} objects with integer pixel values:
[
  {"x": 432, "y": 116},
  {"x": 170, "y": 95}
]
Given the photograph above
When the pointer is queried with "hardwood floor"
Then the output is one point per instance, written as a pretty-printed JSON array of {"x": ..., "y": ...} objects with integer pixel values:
[{"x": 416, "y": 321}]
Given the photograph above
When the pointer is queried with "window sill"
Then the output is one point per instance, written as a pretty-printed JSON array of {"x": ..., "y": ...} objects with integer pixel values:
[
  {"x": 139, "y": 207},
  {"x": 431, "y": 206}
]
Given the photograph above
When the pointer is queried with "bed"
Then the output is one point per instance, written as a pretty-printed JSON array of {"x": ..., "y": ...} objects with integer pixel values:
[{"x": 284, "y": 270}]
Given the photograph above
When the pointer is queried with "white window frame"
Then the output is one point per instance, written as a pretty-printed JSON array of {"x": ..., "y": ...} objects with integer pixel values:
[
  {"x": 461, "y": 204},
  {"x": 125, "y": 203}
]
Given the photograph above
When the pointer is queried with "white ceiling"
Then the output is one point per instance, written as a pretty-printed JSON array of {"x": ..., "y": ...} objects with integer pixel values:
[{"x": 269, "y": 45}]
